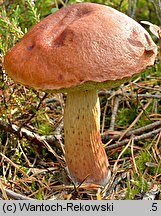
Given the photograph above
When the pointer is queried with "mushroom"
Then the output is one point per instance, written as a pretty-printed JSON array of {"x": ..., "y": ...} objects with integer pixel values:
[{"x": 79, "y": 49}]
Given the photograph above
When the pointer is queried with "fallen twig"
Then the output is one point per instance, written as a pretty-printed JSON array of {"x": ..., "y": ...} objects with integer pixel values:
[
  {"x": 136, "y": 119},
  {"x": 31, "y": 136},
  {"x": 16, "y": 196},
  {"x": 136, "y": 138},
  {"x": 114, "y": 113},
  {"x": 32, "y": 116},
  {"x": 120, "y": 93},
  {"x": 156, "y": 96},
  {"x": 137, "y": 131}
]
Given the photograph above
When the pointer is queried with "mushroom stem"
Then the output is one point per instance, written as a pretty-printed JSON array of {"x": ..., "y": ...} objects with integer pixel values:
[{"x": 84, "y": 152}]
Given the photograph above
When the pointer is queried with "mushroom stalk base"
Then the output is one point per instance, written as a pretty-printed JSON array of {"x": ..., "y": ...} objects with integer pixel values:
[{"x": 84, "y": 153}]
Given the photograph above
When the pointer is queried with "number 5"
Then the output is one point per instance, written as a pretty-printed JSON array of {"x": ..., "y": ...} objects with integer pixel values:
[{"x": 154, "y": 206}]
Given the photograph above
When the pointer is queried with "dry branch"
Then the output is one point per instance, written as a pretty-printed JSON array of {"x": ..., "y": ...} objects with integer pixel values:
[
  {"x": 136, "y": 138},
  {"x": 137, "y": 131},
  {"x": 119, "y": 93},
  {"x": 16, "y": 196},
  {"x": 30, "y": 136},
  {"x": 114, "y": 113}
]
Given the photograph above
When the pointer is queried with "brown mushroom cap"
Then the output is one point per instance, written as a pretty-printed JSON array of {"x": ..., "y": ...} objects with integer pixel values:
[{"x": 80, "y": 45}]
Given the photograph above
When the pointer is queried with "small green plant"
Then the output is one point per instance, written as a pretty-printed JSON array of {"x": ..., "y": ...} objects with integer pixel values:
[
  {"x": 135, "y": 186},
  {"x": 10, "y": 30},
  {"x": 126, "y": 116},
  {"x": 44, "y": 129},
  {"x": 141, "y": 161},
  {"x": 32, "y": 12},
  {"x": 38, "y": 196},
  {"x": 14, "y": 23}
]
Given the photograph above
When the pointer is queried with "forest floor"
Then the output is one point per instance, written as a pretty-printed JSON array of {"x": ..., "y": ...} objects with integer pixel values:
[{"x": 32, "y": 150}]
